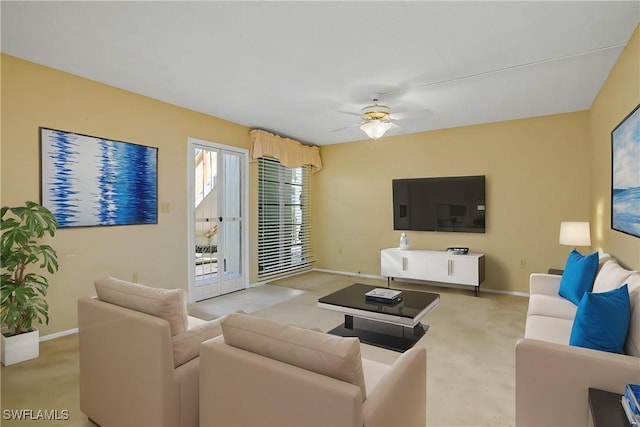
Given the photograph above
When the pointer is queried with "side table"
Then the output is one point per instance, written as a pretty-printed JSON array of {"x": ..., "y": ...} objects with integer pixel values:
[{"x": 606, "y": 410}]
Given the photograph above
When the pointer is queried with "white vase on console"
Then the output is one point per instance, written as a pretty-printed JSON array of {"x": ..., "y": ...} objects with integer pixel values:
[{"x": 404, "y": 241}]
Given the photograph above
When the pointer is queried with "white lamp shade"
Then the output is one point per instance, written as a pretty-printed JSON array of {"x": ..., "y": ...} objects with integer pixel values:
[
  {"x": 375, "y": 128},
  {"x": 573, "y": 233}
]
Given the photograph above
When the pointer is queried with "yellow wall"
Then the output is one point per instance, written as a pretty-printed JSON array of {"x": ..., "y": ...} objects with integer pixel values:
[
  {"x": 33, "y": 96},
  {"x": 537, "y": 173},
  {"x": 540, "y": 171},
  {"x": 617, "y": 98}
]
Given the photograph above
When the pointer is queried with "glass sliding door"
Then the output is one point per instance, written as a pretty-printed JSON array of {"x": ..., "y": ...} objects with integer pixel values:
[
  {"x": 231, "y": 222},
  {"x": 205, "y": 231},
  {"x": 217, "y": 229}
]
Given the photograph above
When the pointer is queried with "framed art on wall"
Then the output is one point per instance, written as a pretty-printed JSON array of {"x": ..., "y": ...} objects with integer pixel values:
[
  {"x": 91, "y": 181},
  {"x": 625, "y": 175}
]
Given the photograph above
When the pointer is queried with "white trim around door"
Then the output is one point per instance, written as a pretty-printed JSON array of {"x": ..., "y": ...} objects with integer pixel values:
[{"x": 229, "y": 265}]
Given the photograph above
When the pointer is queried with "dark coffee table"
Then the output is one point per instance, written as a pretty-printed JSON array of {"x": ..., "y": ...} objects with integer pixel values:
[{"x": 392, "y": 326}]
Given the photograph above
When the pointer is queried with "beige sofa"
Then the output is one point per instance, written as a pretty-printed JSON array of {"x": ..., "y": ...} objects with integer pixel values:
[
  {"x": 266, "y": 373},
  {"x": 552, "y": 377},
  {"x": 139, "y": 363}
]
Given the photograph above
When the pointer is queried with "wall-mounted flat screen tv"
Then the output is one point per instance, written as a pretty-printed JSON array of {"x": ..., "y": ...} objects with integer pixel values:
[{"x": 452, "y": 204}]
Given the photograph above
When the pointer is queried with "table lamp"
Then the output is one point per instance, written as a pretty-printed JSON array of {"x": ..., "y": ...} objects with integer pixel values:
[{"x": 574, "y": 233}]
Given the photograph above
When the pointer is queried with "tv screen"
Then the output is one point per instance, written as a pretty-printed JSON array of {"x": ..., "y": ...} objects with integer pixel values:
[{"x": 440, "y": 204}]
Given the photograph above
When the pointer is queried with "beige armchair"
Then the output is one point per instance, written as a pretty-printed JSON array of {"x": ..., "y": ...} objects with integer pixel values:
[
  {"x": 266, "y": 373},
  {"x": 139, "y": 363}
]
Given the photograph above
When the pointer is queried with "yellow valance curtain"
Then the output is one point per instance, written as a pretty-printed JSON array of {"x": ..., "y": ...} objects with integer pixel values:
[{"x": 288, "y": 152}]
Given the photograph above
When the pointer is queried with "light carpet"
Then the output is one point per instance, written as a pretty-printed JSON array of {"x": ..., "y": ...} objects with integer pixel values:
[
  {"x": 470, "y": 346},
  {"x": 470, "y": 352},
  {"x": 249, "y": 300}
]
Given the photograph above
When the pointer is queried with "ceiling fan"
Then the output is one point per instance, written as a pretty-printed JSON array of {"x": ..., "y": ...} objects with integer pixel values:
[{"x": 376, "y": 119}]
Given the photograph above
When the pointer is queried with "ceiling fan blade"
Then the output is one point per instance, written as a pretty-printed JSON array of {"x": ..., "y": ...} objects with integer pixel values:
[
  {"x": 350, "y": 113},
  {"x": 346, "y": 127},
  {"x": 412, "y": 114}
]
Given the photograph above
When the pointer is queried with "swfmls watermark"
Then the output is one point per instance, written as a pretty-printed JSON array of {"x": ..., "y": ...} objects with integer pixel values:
[{"x": 35, "y": 414}]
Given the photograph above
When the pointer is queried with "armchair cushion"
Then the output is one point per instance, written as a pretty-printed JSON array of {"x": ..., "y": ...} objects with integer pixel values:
[
  {"x": 578, "y": 276},
  {"x": 333, "y": 356},
  {"x": 186, "y": 345},
  {"x": 168, "y": 304}
]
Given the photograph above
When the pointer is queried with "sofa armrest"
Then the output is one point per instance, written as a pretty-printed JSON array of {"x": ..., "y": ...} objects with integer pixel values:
[
  {"x": 552, "y": 381},
  {"x": 241, "y": 388},
  {"x": 401, "y": 395},
  {"x": 541, "y": 283}
]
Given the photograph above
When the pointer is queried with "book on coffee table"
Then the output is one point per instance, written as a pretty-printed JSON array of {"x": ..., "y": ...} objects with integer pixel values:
[
  {"x": 388, "y": 296},
  {"x": 630, "y": 403}
]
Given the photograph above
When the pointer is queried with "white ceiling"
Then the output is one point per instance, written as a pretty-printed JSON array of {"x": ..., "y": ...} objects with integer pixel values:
[{"x": 297, "y": 68}]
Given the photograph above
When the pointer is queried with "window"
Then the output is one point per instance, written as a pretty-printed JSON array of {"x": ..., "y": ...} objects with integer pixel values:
[{"x": 284, "y": 232}]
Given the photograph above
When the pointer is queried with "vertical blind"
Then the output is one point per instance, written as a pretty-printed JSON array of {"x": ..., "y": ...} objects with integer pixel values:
[{"x": 284, "y": 229}]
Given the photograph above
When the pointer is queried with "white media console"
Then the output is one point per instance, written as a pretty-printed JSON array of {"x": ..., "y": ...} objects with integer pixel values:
[{"x": 433, "y": 266}]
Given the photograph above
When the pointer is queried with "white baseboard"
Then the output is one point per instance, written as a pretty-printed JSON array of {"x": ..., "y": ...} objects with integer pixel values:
[
  {"x": 349, "y": 273},
  {"x": 446, "y": 285},
  {"x": 257, "y": 284},
  {"x": 58, "y": 334}
]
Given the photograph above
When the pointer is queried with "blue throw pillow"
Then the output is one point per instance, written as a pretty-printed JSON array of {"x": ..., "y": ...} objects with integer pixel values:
[
  {"x": 578, "y": 276},
  {"x": 602, "y": 320}
]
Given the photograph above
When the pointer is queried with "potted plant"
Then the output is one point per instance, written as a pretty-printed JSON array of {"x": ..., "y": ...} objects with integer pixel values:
[{"x": 22, "y": 295}]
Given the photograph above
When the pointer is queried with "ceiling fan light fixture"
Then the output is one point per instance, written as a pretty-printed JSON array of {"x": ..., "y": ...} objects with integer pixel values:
[
  {"x": 375, "y": 128},
  {"x": 376, "y": 112}
]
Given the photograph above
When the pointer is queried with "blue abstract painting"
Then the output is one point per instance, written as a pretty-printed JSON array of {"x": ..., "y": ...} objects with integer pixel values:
[
  {"x": 91, "y": 181},
  {"x": 625, "y": 175}
]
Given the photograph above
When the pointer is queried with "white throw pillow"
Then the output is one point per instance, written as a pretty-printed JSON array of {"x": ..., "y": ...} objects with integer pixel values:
[{"x": 610, "y": 276}]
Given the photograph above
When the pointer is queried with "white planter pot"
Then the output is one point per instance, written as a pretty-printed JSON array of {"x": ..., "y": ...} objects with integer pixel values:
[{"x": 19, "y": 348}]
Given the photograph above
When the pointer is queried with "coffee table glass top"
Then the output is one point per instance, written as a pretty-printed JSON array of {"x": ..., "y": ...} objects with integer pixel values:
[{"x": 413, "y": 302}]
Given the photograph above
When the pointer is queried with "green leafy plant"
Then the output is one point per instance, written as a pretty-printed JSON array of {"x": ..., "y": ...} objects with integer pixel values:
[{"x": 22, "y": 296}]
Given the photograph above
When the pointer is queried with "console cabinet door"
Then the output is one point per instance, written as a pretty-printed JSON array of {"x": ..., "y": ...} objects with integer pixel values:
[
  {"x": 464, "y": 270},
  {"x": 460, "y": 269},
  {"x": 432, "y": 266},
  {"x": 399, "y": 263},
  {"x": 415, "y": 264},
  {"x": 439, "y": 269},
  {"x": 390, "y": 263}
]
